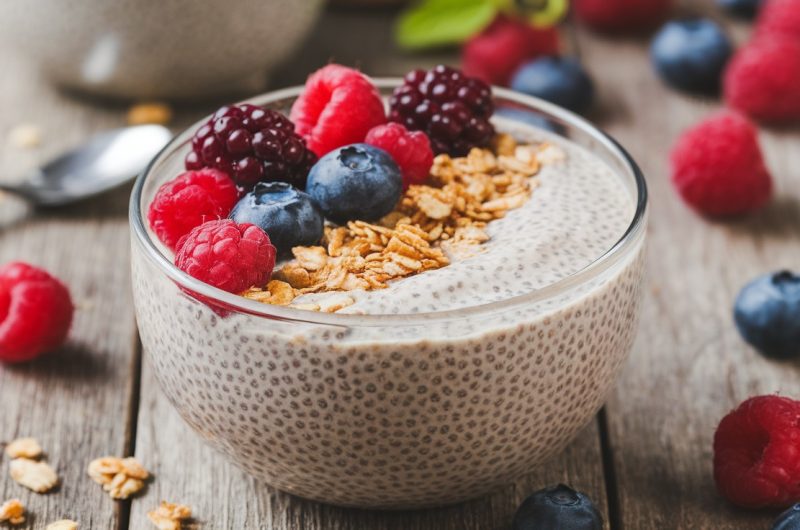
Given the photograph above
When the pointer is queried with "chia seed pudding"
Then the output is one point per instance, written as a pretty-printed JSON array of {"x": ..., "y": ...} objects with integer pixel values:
[{"x": 448, "y": 383}]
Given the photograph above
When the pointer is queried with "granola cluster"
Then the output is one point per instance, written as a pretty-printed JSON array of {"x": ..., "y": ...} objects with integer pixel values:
[
  {"x": 120, "y": 477},
  {"x": 169, "y": 516},
  {"x": 433, "y": 223}
]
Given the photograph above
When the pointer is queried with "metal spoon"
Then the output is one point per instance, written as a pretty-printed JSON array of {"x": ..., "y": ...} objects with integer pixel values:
[{"x": 109, "y": 159}]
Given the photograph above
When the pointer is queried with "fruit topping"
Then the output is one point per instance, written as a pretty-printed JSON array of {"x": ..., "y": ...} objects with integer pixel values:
[
  {"x": 788, "y": 520},
  {"x": 35, "y": 312},
  {"x": 560, "y": 80},
  {"x": 451, "y": 108},
  {"x": 756, "y": 461},
  {"x": 691, "y": 54},
  {"x": 411, "y": 150},
  {"x": 616, "y": 16},
  {"x": 779, "y": 18},
  {"x": 358, "y": 181},
  {"x": 741, "y": 8},
  {"x": 494, "y": 54},
  {"x": 718, "y": 169},
  {"x": 189, "y": 200},
  {"x": 763, "y": 79},
  {"x": 230, "y": 256},
  {"x": 289, "y": 216},
  {"x": 557, "y": 507},
  {"x": 767, "y": 313},
  {"x": 338, "y": 107},
  {"x": 251, "y": 144}
]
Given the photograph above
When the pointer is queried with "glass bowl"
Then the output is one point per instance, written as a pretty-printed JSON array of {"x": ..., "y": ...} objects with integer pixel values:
[{"x": 393, "y": 411}]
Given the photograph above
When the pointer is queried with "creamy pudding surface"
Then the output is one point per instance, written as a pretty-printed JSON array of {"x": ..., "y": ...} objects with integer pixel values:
[{"x": 579, "y": 210}]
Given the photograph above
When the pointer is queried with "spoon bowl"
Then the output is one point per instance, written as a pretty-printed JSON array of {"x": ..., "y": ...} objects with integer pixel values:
[{"x": 108, "y": 160}]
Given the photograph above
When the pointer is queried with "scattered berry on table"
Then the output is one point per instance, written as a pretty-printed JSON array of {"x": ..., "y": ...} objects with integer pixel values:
[
  {"x": 451, "y": 108},
  {"x": 357, "y": 181},
  {"x": 410, "y": 149},
  {"x": 779, "y": 18},
  {"x": 767, "y": 313},
  {"x": 691, "y": 54},
  {"x": 338, "y": 107},
  {"x": 788, "y": 520},
  {"x": 251, "y": 144},
  {"x": 756, "y": 461},
  {"x": 494, "y": 54},
  {"x": 288, "y": 216},
  {"x": 763, "y": 80},
  {"x": 35, "y": 312},
  {"x": 718, "y": 168},
  {"x": 560, "y": 80},
  {"x": 741, "y": 8},
  {"x": 227, "y": 255},
  {"x": 616, "y": 16},
  {"x": 189, "y": 200},
  {"x": 557, "y": 507}
]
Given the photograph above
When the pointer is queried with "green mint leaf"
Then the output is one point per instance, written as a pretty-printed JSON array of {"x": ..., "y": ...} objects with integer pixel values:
[{"x": 440, "y": 22}]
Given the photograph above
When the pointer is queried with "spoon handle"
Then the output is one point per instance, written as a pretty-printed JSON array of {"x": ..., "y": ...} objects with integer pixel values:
[{"x": 18, "y": 190}]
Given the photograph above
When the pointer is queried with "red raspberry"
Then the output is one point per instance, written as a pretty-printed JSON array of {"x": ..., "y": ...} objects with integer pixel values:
[
  {"x": 193, "y": 198},
  {"x": 622, "y": 15},
  {"x": 35, "y": 312},
  {"x": 763, "y": 80},
  {"x": 495, "y": 53},
  {"x": 779, "y": 18},
  {"x": 251, "y": 144},
  {"x": 338, "y": 107},
  {"x": 757, "y": 453},
  {"x": 411, "y": 150},
  {"x": 232, "y": 257},
  {"x": 718, "y": 169}
]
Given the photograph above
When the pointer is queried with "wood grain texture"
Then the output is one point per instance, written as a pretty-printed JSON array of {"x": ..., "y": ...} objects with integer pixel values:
[
  {"x": 75, "y": 401},
  {"x": 689, "y": 366}
]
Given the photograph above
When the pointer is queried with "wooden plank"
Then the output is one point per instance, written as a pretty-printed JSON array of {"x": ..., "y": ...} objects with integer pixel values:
[
  {"x": 689, "y": 366},
  {"x": 76, "y": 402},
  {"x": 224, "y": 497}
]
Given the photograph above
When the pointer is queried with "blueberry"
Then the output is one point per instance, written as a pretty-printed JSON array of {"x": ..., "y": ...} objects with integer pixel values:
[
  {"x": 358, "y": 181},
  {"x": 560, "y": 80},
  {"x": 529, "y": 117},
  {"x": 742, "y": 8},
  {"x": 767, "y": 313},
  {"x": 559, "y": 507},
  {"x": 788, "y": 520},
  {"x": 288, "y": 216},
  {"x": 691, "y": 54}
]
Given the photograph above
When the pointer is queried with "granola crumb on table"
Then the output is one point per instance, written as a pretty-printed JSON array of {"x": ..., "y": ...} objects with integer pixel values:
[
  {"x": 12, "y": 511},
  {"x": 169, "y": 516},
  {"x": 434, "y": 222},
  {"x": 24, "y": 448},
  {"x": 36, "y": 476},
  {"x": 63, "y": 524},
  {"x": 120, "y": 477}
]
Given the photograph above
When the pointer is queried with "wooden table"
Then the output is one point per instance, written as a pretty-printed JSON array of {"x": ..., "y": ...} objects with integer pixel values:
[{"x": 646, "y": 460}]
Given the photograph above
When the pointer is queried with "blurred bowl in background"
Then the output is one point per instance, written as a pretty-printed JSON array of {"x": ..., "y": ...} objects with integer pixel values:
[{"x": 176, "y": 49}]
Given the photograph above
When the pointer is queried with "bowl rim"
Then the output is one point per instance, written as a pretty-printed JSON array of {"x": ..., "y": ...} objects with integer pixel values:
[{"x": 239, "y": 304}]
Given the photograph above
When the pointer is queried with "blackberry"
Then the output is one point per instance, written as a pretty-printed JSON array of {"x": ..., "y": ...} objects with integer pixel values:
[
  {"x": 451, "y": 108},
  {"x": 252, "y": 145}
]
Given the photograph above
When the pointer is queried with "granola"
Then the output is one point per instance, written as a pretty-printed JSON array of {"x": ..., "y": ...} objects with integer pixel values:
[
  {"x": 12, "y": 511},
  {"x": 169, "y": 516},
  {"x": 63, "y": 524},
  {"x": 36, "y": 476},
  {"x": 24, "y": 448},
  {"x": 120, "y": 477},
  {"x": 431, "y": 224}
]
